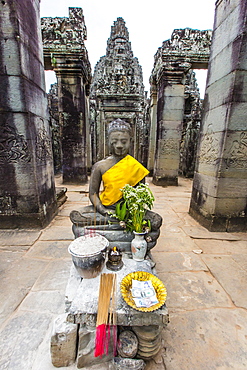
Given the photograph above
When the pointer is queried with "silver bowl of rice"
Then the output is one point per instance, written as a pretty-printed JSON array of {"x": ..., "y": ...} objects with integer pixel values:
[{"x": 88, "y": 254}]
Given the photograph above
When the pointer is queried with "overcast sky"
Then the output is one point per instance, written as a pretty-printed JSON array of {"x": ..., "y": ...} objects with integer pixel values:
[{"x": 149, "y": 24}]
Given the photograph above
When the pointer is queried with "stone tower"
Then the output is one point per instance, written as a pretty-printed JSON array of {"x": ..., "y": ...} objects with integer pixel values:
[
  {"x": 117, "y": 91},
  {"x": 219, "y": 194},
  {"x": 27, "y": 189}
]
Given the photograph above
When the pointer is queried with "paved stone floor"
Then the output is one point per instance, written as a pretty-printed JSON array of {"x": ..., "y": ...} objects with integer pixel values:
[{"x": 205, "y": 274}]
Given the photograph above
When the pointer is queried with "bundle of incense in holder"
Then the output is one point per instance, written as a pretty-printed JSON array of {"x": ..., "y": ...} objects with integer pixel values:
[{"x": 106, "y": 316}]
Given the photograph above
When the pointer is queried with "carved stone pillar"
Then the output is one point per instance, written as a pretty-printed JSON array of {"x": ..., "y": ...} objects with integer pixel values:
[
  {"x": 219, "y": 196},
  {"x": 65, "y": 53},
  {"x": 170, "y": 112},
  {"x": 27, "y": 191},
  {"x": 153, "y": 127},
  {"x": 72, "y": 119}
]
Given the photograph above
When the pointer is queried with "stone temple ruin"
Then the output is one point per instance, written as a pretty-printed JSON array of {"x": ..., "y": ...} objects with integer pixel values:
[
  {"x": 65, "y": 53},
  {"x": 187, "y": 49},
  {"x": 117, "y": 91},
  {"x": 165, "y": 127},
  {"x": 172, "y": 135}
]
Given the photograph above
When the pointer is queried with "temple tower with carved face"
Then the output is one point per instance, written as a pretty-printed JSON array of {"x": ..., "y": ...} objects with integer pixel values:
[{"x": 117, "y": 91}]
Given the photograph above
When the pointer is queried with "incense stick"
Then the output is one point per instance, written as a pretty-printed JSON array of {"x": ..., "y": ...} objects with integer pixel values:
[{"x": 105, "y": 315}]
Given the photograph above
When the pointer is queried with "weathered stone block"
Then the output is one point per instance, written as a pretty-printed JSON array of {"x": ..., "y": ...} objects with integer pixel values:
[
  {"x": 237, "y": 119},
  {"x": 221, "y": 65},
  {"x": 229, "y": 22},
  {"x": 173, "y": 102},
  {"x": 169, "y": 114},
  {"x": 230, "y": 206},
  {"x": 218, "y": 95},
  {"x": 174, "y": 90},
  {"x": 171, "y": 125},
  {"x": 86, "y": 349},
  {"x": 224, "y": 8},
  {"x": 63, "y": 342}
]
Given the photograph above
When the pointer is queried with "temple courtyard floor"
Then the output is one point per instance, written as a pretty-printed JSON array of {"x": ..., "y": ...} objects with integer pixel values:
[{"x": 205, "y": 274}]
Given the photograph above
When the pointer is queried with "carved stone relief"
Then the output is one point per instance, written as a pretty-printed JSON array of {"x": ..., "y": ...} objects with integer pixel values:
[
  {"x": 64, "y": 33},
  {"x": 168, "y": 147},
  {"x": 6, "y": 205},
  {"x": 13, "y": 146},
  {"x": 236, "y": 155},
  {"x": 43, "y": 145}
]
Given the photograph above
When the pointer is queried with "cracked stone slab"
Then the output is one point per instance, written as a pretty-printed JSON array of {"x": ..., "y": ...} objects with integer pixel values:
[
  {"x": 44, "y": 301},
  {"x": 49, "y": 249},
  {"x": 211, "y": 246},
  {"x": 8, "y": 259},
  {"x": 206, "y": 339},
  {"x": 174, "y": 242},
  {"x": 193, "y": 290},
  {"x": 16, "y": 283},
  {"x": 19, "y": 237},
  {"x": 57, "y": 233},
  {"x": 230, "y": 275},
  {"x": 177, "y": 261},
  {"x": 241, "y": 260},
  {"x": 21, "y": 338},
  {"x": 54, "y": 277},
  {"x": 199, "y": 232}
]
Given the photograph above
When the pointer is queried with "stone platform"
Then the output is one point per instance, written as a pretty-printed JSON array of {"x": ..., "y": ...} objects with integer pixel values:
[
  {"x": 82, "y": 307},
  {"x": 205, "y": 274}
]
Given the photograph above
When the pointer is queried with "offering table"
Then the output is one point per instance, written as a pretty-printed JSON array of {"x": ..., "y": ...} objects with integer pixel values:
[{"x": 81, "y": 309}]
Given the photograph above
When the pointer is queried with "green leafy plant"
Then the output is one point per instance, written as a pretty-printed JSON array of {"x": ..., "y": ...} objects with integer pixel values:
[{"x": 131, "y": 211}]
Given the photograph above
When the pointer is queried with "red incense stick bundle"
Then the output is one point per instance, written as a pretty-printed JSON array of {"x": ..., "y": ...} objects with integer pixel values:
[{"x": 107, "y": 291}]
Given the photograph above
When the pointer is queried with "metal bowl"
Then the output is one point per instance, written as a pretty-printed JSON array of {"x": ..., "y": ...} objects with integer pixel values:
[{"x": 90, "y": 259}]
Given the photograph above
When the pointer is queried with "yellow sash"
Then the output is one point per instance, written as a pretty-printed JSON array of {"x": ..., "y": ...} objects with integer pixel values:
[{"x": 127, "y": 171}]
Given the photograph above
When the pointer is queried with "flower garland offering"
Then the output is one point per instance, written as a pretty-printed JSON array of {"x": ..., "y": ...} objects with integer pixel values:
[{"x": 143, "y": 293}]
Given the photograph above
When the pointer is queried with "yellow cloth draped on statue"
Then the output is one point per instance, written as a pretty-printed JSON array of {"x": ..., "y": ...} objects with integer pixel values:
[{"x": 127, "y": 171}]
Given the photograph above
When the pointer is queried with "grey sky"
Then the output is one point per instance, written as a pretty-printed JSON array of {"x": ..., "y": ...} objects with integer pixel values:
[{"x": 149, "y": 24}]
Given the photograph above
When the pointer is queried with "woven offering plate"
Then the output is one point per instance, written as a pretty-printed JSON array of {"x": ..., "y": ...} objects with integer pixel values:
[{"x": 126, "y": 285}]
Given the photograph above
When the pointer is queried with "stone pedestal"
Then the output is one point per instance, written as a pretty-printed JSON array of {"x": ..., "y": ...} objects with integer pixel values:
[
  {"x": 82, "y": 305},
  {"x": 220, "y": 183},
  {"x": 27, "y": 190}
]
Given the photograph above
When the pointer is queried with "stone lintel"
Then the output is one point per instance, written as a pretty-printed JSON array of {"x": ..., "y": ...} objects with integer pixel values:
[
  {"x": 119, "y": 109},
  {"x": 124, "y": 318},
  {"x": 218, "y": 223},
  {"x": 120, "y": 96},
  {"x": 174, "y": 77},
  {"x": 73, "y": 67}
]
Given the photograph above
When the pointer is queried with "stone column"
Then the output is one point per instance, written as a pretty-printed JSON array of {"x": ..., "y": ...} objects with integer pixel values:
[
  {"x": 170, "y": 111},
  {"x": 153, "y": 127},
  {"x": 27, "y": 190},
  {"x": 72, "y": 119},
  {"x": 219, "y": 197},
  {"x": 65, "y": 53}
]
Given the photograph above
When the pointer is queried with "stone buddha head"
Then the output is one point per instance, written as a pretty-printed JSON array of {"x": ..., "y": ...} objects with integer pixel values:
[{"x": 119, "y": 133}]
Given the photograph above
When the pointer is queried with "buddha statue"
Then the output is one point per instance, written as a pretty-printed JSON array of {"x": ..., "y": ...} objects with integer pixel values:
[{"x": 115, "y": 171}]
